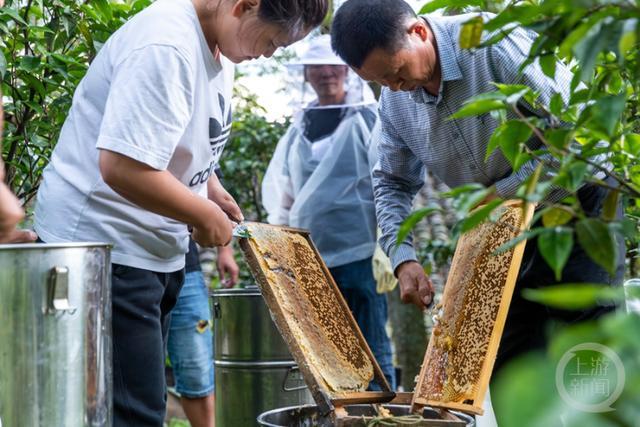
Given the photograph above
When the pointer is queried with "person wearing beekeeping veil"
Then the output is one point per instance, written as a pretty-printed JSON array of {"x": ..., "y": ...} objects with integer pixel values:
[{"x": 319, "y": 179}]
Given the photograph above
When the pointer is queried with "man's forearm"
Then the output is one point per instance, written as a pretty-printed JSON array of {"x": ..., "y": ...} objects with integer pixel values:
[{"x": 393, "y": 199}]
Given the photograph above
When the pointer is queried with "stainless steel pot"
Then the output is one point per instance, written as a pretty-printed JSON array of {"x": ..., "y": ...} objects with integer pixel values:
[
  {"x": 309, "y": 416},
  {"x": 254, "y": 370},
  {"x": 55, "y": 335}
]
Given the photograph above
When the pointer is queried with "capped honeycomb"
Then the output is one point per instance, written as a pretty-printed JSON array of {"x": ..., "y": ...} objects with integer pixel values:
[
  {"x": 463, "y": 345},
  {"x": 312, "y": 310}
]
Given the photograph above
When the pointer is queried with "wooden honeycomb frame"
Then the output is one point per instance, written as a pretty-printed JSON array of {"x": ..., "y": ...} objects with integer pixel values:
[
  {"x": 459, "y": 359},
  {"x": 289, "y": 318}
]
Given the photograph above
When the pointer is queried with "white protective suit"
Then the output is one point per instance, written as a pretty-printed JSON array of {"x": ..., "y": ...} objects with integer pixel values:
[
  {"x": 331, "y": 194},
  {"x": 325, "y": 186}
]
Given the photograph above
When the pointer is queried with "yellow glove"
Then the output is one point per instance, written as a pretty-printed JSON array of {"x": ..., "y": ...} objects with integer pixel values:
[{"x": 383, "y": 272}]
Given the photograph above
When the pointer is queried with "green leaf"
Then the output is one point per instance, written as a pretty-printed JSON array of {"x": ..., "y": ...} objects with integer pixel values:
[
  {"x": 514, "y": 92},
  {"x": 524, "y": 13},
  {"x": 471, "y": 33},
  {"x": 568, "y": 43},
  {"x": 627, "y": 42},
  {"x": 439, "y": 4},
  {"x": 104, "y": 9},
  {"x": 511, "y": 151},
  {"x": 572, "y": 176},
  {"x": 555, "y": 246},
  {"x": 461, "y": 189},
  {"x": 517, "y": 402},
  {"x": 35, "y": 84},
  {"x": 508, "y": 136},
  {"x": 548, "y": 65},
  {"x": 558, "y": 138},
  {"x": 29, "y": 63},
  {"x": 34, "y": 106},
  {"x": 600, "y": 37},
  {"x": 13, "y": 14},
  {"x": 479, "y": 215},
  {"x": 472, "y": 199},
  {"x": 599, "y": 243},
  {"x": 556, "y": 105},
  {"x": 631, "y": 143},
  {"x": 574, "y": 296},
  {"x": 478, "y": 107},
  {"x": 554, "y": 217},
  {"x": 411, "y": 221},
  {"x": 607, "y": 111}
]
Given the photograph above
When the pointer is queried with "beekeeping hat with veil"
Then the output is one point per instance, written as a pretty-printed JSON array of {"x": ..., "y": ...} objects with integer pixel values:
[{"x": 319, "y": 52}]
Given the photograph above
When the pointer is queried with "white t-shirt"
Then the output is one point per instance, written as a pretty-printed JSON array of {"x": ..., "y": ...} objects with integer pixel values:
[{"x": 154, "y": 93}]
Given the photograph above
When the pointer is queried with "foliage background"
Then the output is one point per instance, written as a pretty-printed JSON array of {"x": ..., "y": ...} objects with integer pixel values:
[{"x": 46, "y": 48}]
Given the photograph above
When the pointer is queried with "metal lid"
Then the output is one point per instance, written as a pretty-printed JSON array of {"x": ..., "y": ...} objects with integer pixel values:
[
  {"x": 41, "y": 246},
  {"x": 237, "y": 292}
]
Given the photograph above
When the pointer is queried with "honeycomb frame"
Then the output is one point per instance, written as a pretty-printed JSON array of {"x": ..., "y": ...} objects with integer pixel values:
[
  {"x": 312, "y": 316},
  {"x": 464, "y": 342}
]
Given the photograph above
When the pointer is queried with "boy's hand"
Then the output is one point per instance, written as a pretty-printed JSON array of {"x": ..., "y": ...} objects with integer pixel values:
[
  {"x": 228, "y": 269},
  {"x": 222, "y": 198}
]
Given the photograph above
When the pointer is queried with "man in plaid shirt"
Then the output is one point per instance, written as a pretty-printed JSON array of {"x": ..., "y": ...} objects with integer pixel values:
[{"x": 427, "y": 77}]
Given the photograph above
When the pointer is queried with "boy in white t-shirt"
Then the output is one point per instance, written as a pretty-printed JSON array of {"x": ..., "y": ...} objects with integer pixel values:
[{"x": 135, "y": 159}]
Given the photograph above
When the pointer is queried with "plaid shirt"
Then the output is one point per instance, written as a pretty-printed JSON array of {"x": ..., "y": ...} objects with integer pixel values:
[{"x": 415, "y": 133}]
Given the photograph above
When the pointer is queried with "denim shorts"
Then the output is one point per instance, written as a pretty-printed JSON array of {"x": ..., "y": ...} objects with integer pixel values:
[{"x": 190, "y": 345}]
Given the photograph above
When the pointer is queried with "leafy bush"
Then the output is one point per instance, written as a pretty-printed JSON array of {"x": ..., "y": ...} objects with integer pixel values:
[{"x": 47, "y": 46}]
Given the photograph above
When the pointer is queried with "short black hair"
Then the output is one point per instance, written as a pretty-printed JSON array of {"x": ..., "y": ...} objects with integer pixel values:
[
  {"x": 361, "y": 26},
  {"x": 294, "y": 15}
]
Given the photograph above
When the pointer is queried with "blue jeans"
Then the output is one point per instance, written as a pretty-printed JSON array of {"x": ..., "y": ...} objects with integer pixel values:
[
  {"x": 369, "y": 308},
  {"x": 190, "y": 345}
]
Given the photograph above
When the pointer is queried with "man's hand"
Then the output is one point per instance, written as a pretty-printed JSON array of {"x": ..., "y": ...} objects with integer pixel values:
[
  {"x": 228, "y": 269},
  {"x": 415, "y": 287},
  {"x": 222, "y": 198}
]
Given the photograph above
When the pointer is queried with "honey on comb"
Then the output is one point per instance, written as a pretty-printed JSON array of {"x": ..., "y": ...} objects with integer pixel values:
[
  {"x": 473, "y": 293},
  {"x": 312, "y": 310}
]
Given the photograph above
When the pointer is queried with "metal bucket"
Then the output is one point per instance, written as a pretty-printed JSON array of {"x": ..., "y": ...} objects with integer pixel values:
[
  {"x": 254, "y": 371},
  {"x": 308, "y": 416},
  {"x": 55, "y": 335}
]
